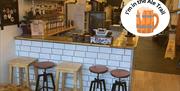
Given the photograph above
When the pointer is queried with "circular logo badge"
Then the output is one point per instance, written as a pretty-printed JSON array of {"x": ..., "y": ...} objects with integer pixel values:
[{"x": 145, "y": 17}]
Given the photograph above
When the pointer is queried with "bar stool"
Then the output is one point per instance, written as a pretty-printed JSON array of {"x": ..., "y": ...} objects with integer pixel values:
[
  {"x": 44, "y": 66},
  {"x": 98, "y": 69},
  {"x": 69, "y": 67},
  {"x": 21, "y": 63},
  {"x": 119, "y": 73}
]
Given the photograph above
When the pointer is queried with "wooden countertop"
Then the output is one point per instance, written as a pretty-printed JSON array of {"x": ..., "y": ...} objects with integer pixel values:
[{"x": 119, "y": 42}]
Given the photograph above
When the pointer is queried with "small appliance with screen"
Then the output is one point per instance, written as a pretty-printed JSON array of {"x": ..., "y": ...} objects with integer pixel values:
[{"x": 96, "y": 20}]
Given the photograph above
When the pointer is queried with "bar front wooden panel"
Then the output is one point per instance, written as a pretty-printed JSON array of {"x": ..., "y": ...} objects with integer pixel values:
[{"x": 178, "y": 32}]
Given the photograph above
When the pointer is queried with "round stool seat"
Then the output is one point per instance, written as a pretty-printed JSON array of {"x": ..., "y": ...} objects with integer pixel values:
[
  {"x": 99, "y": 69},
  {"x": 119, "y": 73},
  {"x": 44, "y": 65}
]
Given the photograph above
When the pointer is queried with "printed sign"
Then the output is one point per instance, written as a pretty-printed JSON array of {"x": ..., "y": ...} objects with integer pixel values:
[{"x": 145, "y": 17}]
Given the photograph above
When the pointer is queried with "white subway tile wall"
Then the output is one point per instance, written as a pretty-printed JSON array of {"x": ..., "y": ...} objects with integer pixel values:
[
  {"x": 103, "y": 56},
  {"x": 48, "y": 45},
  {"x": 28, "y": 43},
  {"x": 87, "y": 55}
]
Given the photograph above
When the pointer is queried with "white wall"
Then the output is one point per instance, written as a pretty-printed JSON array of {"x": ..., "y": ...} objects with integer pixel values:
[{"x": 7, "y": 49}]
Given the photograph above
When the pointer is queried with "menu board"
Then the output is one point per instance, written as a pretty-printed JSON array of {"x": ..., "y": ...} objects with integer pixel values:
[
  {"x": 96, "y": 20},
  {"x": 8, "y": 12}
]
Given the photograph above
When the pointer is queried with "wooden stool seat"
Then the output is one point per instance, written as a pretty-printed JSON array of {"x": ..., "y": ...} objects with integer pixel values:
[
  {"x": 97, "y": 82},
  {"x": 44, "y": 65},
  {"x": 21, "y": 63},
  {"x": 119, "y": 73},
  {"x": 98, "y": 69},
  {"x": 69, "y": 67}
]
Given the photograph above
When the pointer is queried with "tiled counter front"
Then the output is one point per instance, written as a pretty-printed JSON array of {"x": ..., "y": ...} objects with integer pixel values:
[{"x": 87, "y": 55}]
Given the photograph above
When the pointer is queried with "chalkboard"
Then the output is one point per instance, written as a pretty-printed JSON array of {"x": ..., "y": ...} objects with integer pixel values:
[{"x": 9, "y": 14}]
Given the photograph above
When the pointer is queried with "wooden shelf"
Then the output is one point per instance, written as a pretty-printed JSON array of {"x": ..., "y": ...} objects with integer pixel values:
[
  {"x": 58, "y": 30},
  {"x": 171, "y": 48},
  {"x": 176, "y": 10}
]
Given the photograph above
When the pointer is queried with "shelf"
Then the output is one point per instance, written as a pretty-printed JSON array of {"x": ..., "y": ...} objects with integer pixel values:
[{"x": 58, "y": 30}]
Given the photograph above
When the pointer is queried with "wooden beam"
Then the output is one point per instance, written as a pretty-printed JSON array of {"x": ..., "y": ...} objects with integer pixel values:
[{"x": 174, "y": 11}]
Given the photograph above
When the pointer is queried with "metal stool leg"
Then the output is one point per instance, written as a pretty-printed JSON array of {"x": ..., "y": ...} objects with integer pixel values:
[
  {"x": 46, "y": 80},
  {"x": 94, "y": 86},
  {"x": 37, "y": 83},
  {"x": 113, "y": 87},
  {"x": 100, "y": 85},
  {"x": 52, "y": 80},
  {"x": 104, "y": 84},
  {"x": 125, "y": 86},
  {"x": 119, "y": 87},
  {"x": 92, "y": 83},
  {"x": 43, "y": 82}
]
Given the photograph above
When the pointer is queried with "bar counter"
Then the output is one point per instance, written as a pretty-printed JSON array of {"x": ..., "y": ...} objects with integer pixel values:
[
  {"x": 59, "y": 49},
  {"x": 119, "y": 42}
]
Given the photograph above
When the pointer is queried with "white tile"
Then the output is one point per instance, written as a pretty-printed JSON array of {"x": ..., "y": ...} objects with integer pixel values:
[
  {"x": 115, "y": 57},
  {"x": 67, "y": 58},
  {"x": 103, "y": 56},
  {"x": 18, "y": 42},
  {"x": 117, "y": 51},
  {"x": 81, "y": 48},
  {"x": 85, "y": 72},
  {"x": 36, "y": 44},
  {"x": 128, "y": 52},
  {"x": 93, "y": 49},
  {"x": 48, "y": 44},
  {"x": 79, "y": 54},
  {"x": 58, "y": 46},
  {"x": 25, "y": 42},
  {"x": 105, "y": 50},
  {"x": 85, "y": 84},
  {"x": 109, "y": 80},
  {"x": 18, "y": 48},
  {"x": 35, "y": 49},
  {"x": 125, "y": 64},
  {"x": 46, "y": 50},
  {"x": 89, "y": 60},
  {"x": 22, "y": 53},
  {"x": 92, "y": 77},
  {"x": 34, "y": 55},
  {"x": 25, "y": 48},
  {"x": 107, "y": 74},
  {"x": 45, "y": 56},
  {"x": 68, "y": 53},
  {"x": 55, "y": 57},
  {"x": 78, "y": 59},
  {"x": 127, "y": 58},
  {"x": 86, "y": 88},
  {"x": 86, "y": 66},
  {"x": 101, "y": 62},
  {"x": 113, "y": 63},
  {"x": 17, "y": 53},
  {"x": 70, "y": 47},
  {"x": 57, "y": 51},
  {"x": 112, "y": 67},
  {"x": 69, "y": 81},
  {"x": 128, "y": 69},
  {"x": 91, "y": 55},
  {"x": 85, "y": 78}
]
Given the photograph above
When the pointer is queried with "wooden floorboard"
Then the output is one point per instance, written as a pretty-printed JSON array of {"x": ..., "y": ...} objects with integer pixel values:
[{"x": 151, "y": 81}]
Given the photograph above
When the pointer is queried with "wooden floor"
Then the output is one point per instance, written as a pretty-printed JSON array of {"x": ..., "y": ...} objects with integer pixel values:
[{"x": 150, "y": 81}]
